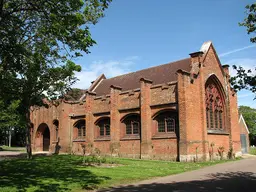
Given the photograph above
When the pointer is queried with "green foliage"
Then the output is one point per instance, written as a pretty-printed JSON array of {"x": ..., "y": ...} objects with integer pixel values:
[
  {"x": 9, "y": 116},
  {"x": 246, "y": 79},
  {"x": 253, "y": 150},
  {"x": 74, "y": 94},
  {"x": 250, "y": 21},
  {"x": 249, "y": 115},
  {"x": 38, "y": 41}
]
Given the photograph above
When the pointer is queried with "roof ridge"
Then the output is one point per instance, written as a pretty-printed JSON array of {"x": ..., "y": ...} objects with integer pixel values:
[
  {"x": 148, "y": 68},
  {"x": 158, "y": 74}
]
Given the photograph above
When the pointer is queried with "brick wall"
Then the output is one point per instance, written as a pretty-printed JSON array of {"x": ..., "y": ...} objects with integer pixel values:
[
  {"x": 243, "y": 130},
  {"x": 184, "y": 97}
]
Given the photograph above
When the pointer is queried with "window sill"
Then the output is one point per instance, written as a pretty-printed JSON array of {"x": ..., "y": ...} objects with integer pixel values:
[
  {"x": 106, "y": 138},
  {"x": 130, "y": 137},
  {"x": 217, "y": 132},
  {"x": 79, "y": 140},
  {"x": 165, "y": 136}
]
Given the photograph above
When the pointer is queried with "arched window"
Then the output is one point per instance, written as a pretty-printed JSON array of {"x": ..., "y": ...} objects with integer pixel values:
[
  {"x": 132, "y": 125},
  {"x": 166, "y": 122},
  {"x": 214, "y": 106},
  {"x": 81, "y": 128},
  {"x": 104, "y": 127}
]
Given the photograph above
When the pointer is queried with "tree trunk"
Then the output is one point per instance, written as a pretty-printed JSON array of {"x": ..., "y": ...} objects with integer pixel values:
[
  {"x": 10, "y": 137},
  {"x": 1, "y": 8},
  {"x": 28, "y": 135}
]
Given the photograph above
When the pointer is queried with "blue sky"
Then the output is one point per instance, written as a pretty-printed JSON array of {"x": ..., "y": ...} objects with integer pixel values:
[{"x": 137, "y": 34}]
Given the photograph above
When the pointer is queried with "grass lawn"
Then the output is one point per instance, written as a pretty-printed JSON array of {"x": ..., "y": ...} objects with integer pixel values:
[
  {"x": 65, "y": 173},
  {"x": 18, "y": 149},
  {"x": 253, "y": 150}
]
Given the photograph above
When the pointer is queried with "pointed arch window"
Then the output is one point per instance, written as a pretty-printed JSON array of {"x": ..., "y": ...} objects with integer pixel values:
[{"x": 214, "y": 107}]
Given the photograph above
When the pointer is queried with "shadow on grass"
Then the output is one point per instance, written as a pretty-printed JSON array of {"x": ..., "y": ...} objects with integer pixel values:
[
  {"x": 43, "y": 174},
  {"x": 221, "y": 182}
]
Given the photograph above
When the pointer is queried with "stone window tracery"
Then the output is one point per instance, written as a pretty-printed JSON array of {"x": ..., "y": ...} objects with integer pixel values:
[{"x": 214, "y": 107}]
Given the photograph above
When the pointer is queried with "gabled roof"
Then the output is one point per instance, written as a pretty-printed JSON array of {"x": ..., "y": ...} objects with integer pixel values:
[
  {"x": 159, "y": 74},
  {"x": 241, "y": 119}
]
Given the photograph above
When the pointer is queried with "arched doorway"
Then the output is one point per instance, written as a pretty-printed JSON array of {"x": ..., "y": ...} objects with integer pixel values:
[
  {"x": 42, "y": 138},
  {"x": 46, "y": 139}
]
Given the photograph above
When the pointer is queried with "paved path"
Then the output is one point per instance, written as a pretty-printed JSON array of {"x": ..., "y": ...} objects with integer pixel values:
[
  {"x": 10, "y": 153},
  {"x": 18, "y": 154},
  {"x": 231, "y": 176}
]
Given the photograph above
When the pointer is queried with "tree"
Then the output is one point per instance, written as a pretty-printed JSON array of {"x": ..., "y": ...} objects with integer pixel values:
[
  {"x": 9, "y": 118},
  {"x": 246, "y": 79},
  {"x": 249, "y": 115},
  {"x": 38, "y": 41},
  {"x": 250, "y": 21},
  {"x": 74, "y": 94}
]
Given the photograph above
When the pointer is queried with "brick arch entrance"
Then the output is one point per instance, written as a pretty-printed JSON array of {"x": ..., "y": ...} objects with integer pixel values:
[{"x": 42, "y": 138}]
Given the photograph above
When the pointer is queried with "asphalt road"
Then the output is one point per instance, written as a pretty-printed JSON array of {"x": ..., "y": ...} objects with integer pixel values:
[{"x": 232, "y": 176}]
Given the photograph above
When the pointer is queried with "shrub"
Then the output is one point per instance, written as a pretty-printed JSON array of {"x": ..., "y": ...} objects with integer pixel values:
[
  {"x": 211, "y": 151},
  {"x": 253, "y": 150},
  {"x": 231, "y": 154},
  {"x": 221, "y": 152}
]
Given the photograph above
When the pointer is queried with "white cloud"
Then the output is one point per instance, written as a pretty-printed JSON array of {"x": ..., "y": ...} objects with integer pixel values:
[
  {"x": 245, "y": 95},
  {"x": 246, "y": 63},
  {"x": 109, "y": 68},
  {"x": 235, "y": 50}
]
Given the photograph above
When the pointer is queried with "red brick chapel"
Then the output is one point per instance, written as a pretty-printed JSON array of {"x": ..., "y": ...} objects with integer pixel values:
[{"x": 183, "y": 110}]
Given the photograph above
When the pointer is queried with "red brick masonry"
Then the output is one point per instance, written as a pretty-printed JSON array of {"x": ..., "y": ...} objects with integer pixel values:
[{"x": 168, "y": 103}]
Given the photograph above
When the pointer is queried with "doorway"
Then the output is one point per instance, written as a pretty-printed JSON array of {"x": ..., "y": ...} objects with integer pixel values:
[{"x": 46, "y": 139}]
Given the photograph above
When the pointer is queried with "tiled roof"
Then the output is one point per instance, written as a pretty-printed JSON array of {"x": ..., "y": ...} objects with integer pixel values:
[{"x": 159, "y": 74}]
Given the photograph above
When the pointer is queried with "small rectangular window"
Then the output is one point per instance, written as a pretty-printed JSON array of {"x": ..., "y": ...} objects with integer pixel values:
[
  {"x": 135, "y": 126},
  {"x": 220, "y": 120},
  {"x": 211, "y": 117},
  {"x": 170, "y": 124},
  {"x": 84, "y": 131},
  {"x": 161, "y": 126},
  {"x": 107, "y": 127},
  {"x": 79, "y": 132},
  {"x": 102, "y": 130},
  {"x": 216, "y": 119},
  {"x": 207, "y": 118},
  {"x": 128, "y": 128}
]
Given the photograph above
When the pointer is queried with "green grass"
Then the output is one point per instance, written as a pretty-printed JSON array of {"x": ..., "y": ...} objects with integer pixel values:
[
  {"x": 253, "y": 150},
  {"x": 65, "y": 173},
  {"x": 18, "y": 149}
]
